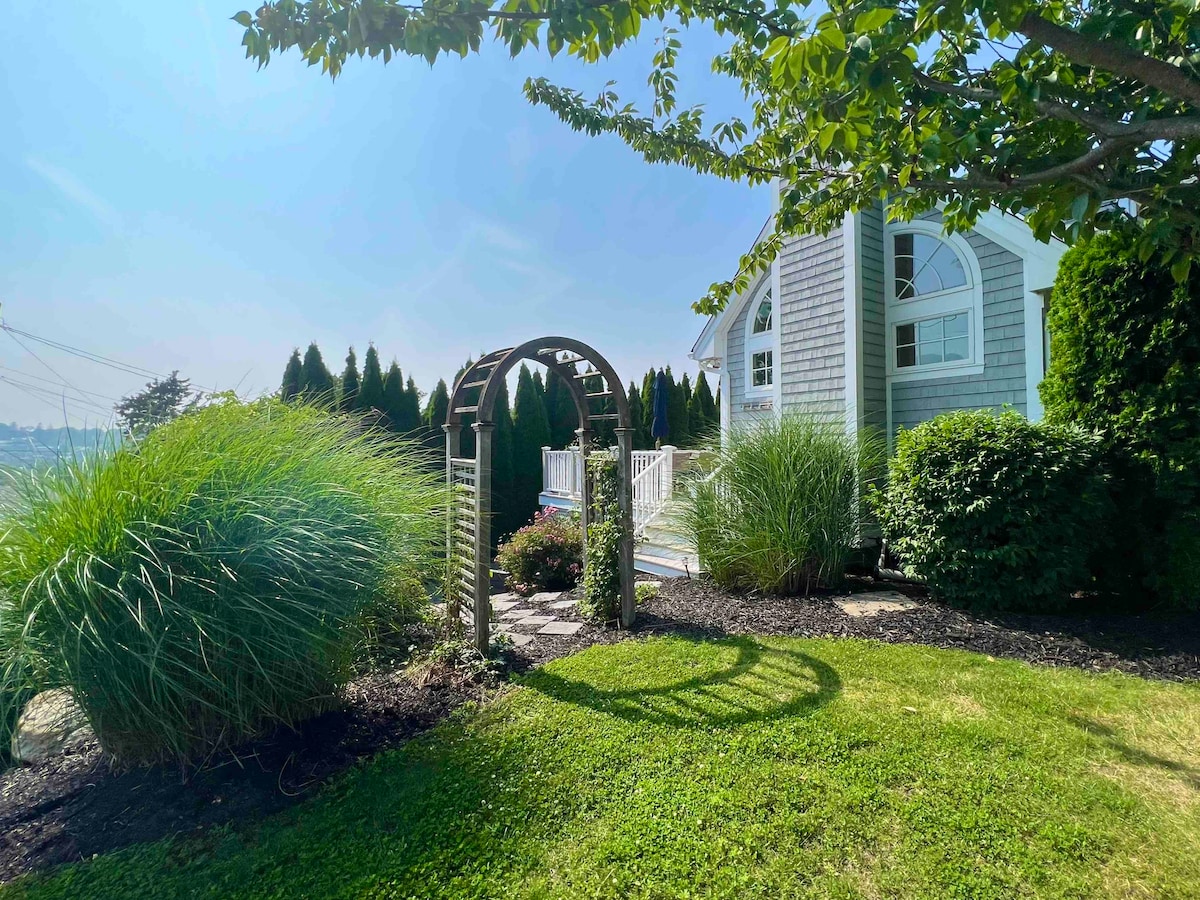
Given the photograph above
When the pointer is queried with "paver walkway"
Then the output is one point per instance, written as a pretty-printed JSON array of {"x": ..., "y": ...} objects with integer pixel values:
[{"x": 522, "y": 619}]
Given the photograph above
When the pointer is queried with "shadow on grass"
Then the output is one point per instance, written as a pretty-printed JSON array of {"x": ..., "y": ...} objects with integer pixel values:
[
  {"x": 1135, "y": 755},
  {"x": 761, "y": 684}
]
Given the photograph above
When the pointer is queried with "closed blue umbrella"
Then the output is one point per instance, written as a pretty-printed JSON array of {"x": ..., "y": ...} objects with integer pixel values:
[{"x": 658, "y": 428}]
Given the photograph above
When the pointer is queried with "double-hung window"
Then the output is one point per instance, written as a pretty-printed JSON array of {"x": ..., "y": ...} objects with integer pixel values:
[
  {"x": 934, "y": 304},
  {"x": 760, "y": 345}
]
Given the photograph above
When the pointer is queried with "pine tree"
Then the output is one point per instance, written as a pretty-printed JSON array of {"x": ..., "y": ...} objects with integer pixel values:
[
  {"x": 291, "y": 378},
  {"x": 702, "y": 412},
  {"x": 635, "y": 418},
  {"x": 370, "y": 391},
  {"x": 531, "y": 432},
  {"x": 435, "y": 416},
  {"x": 411, "y": 408},
  {"x": 392, "y": 404},
  {"x": 540, "y": 385},
  {"x": 349, "y": 383},
  {"x": 316, "y": 381},
  {"x": 507, "y": 513}
]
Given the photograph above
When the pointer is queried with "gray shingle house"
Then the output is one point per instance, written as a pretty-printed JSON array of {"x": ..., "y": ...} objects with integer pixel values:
[{"x": 888, "y": 324}]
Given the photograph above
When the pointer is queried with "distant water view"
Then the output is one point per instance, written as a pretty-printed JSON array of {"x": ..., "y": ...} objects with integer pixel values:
[{"x": 27, "y": 447}]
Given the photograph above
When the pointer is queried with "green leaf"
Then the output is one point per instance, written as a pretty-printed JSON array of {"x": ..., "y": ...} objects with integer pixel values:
[
  {"x": 873, "y": 19},
  {"x": 243, "y": 18}
]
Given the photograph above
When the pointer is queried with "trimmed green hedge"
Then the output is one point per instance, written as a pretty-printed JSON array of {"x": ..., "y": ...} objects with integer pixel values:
[
  {"x": 1125, "y": 363},
  {"x": 994, "y": 511}
]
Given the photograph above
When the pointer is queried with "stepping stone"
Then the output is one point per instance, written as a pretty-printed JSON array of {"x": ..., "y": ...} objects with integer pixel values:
[
  {"x": 545, "y": 596},
  {"x": 560, "y": 628},
  {"x": 514, "y": 614},
  {"x": 508, "y": 597},
  {"x": 518, "y": 639},
  {"x": 535, "y": 620},
  {"x": 872, "y": 603},
  {"x": 504, "y": 605},
  {"x": 563, "y": 604}
]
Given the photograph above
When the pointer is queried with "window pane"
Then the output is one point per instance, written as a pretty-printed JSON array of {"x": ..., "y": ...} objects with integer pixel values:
[
  {"x": 762, "y": 319},
  {"x": 905, "y": 357},
  {"x": 930, "y": 330},
  {"x": 906, "y": 334},
  {"x": 956, "y": 326},
  {"x": 928, "y": 354},
  {"x": 924, "y": 265},
  {"x": 957, "y": 349}
]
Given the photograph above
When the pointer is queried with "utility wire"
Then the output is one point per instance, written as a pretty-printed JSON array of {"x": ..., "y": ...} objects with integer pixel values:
[
  {"x": 45, "y": 364},
  {"x": 85, "y": 354},
  {"x": 41, "y": 378},
  {"x": 52, "y": 397}
]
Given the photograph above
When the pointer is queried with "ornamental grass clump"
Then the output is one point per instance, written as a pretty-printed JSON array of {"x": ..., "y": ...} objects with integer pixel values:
[
  {"x": 216, "y": 579},
  {"x": 780, "y": 510}
]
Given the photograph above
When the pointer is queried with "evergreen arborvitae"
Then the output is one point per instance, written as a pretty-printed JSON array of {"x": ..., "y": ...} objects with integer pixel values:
[
  {"x": 648, "y": 406},
  {"x": 435, "y": 415},
  {"x": 564, "y": 420},
  {"x": 349, "y": 396},
  {"x": 393, "y": 399},
  {"x": 635, "y": 418},
  {"x": 466, "y": 437},
  {"x": 507, "y": 513},
  {"x": 531, "y": 432},
  {"x": 291, "y": 378},
  {"x": 703, "y": 419},
  {"x": 316, "y": 381},
  {"x": 411, "y": 408},
  {"x": 676, "y": 412},
  {"x": 685, "y": 397},
  {"x": 541, "y": 386},
  {"x": 370, "y": 391}
]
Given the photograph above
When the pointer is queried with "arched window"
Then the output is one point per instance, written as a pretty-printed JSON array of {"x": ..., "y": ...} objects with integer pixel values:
[
  {"x": 760, "y": 345},
  {"x": 935, "y": 303}
]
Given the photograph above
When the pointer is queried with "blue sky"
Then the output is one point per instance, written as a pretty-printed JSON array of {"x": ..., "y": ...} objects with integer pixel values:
[{"x": 166, "y": 204}]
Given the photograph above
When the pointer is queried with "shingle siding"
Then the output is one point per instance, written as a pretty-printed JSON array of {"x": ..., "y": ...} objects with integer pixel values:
[
  {"x": 1002, "y": 381},
  {"x": 811, "y": 316},
  {"x": 735, "y": 362},
  {"x": 874, "y": 328}
]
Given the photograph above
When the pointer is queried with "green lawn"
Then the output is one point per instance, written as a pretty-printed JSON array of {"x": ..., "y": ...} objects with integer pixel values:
[{"x": 741, "y": 768}]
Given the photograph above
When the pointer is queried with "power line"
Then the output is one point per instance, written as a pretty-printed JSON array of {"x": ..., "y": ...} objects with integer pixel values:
[
  {"x": 128, "y": 368},
  {"x": 24, "y": 374},
  {"x": 45, "y": 364},
  {"x": 51, "y": 397}
]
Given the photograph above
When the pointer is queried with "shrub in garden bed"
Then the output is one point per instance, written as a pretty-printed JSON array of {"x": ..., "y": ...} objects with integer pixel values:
[
  {"x": 781, "y": 510},
  {"x": 994, "y": 511},
  {"x": 1125, "y": 362},
  {"x": 545, "y": 555},
  {"x": 217, "y": 578}
]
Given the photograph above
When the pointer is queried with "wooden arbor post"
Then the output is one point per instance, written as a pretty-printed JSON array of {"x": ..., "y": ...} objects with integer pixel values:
[{"x": 468, "y": 529}]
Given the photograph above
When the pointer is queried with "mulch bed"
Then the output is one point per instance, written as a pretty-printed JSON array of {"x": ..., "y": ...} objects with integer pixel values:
[
  {"x": 1153, "y": 647},
  {"x": 74, "y": 805}
]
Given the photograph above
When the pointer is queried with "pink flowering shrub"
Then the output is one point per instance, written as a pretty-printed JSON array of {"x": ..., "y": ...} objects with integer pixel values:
[{"x": 546, "y": 555}]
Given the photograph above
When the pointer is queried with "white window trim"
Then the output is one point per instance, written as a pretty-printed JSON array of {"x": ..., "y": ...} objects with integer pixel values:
[
  {"x": 931, "y": 306},
  {"x": 761, "y": 342}
]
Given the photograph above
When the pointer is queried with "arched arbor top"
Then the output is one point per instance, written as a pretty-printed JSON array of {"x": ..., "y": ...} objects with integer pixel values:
[
  {"x": 468, "y": 530},
  {"x": 558, "y": 354}
]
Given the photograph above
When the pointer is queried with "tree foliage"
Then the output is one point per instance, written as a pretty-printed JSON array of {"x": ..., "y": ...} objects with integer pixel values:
[
  {"x": 349, "y": 396},
  {"x": 1054, "y": 110},
  {"x": 292, "y": 378},
  {"x": 158, "y": 403},
  {"x": 316, "y": 381},
  {"x": 370, "y": 393},
  {"x": 531, "y": 432}
]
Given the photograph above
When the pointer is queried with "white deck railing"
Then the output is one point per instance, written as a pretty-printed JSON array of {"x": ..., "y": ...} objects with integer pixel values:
[{"x": 653, "y": 480}]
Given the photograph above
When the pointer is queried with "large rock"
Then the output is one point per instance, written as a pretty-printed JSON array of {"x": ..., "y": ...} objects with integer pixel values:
[{"x": 51, "y": 721}]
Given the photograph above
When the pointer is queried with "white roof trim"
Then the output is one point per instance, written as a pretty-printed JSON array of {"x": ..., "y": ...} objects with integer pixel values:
[{"x": 720, "y": 323}]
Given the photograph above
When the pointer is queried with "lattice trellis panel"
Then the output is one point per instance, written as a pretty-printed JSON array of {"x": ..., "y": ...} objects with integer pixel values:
[{"x": 462, "y": 538}]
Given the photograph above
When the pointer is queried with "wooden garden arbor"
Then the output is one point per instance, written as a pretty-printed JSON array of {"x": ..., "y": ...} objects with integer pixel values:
[{"x": 468, "y": 536}]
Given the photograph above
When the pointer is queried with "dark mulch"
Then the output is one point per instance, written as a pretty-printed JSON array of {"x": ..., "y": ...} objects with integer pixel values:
[
  {"x": 1153, "y": 647},
  {"x": 73, "y": 805}
]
